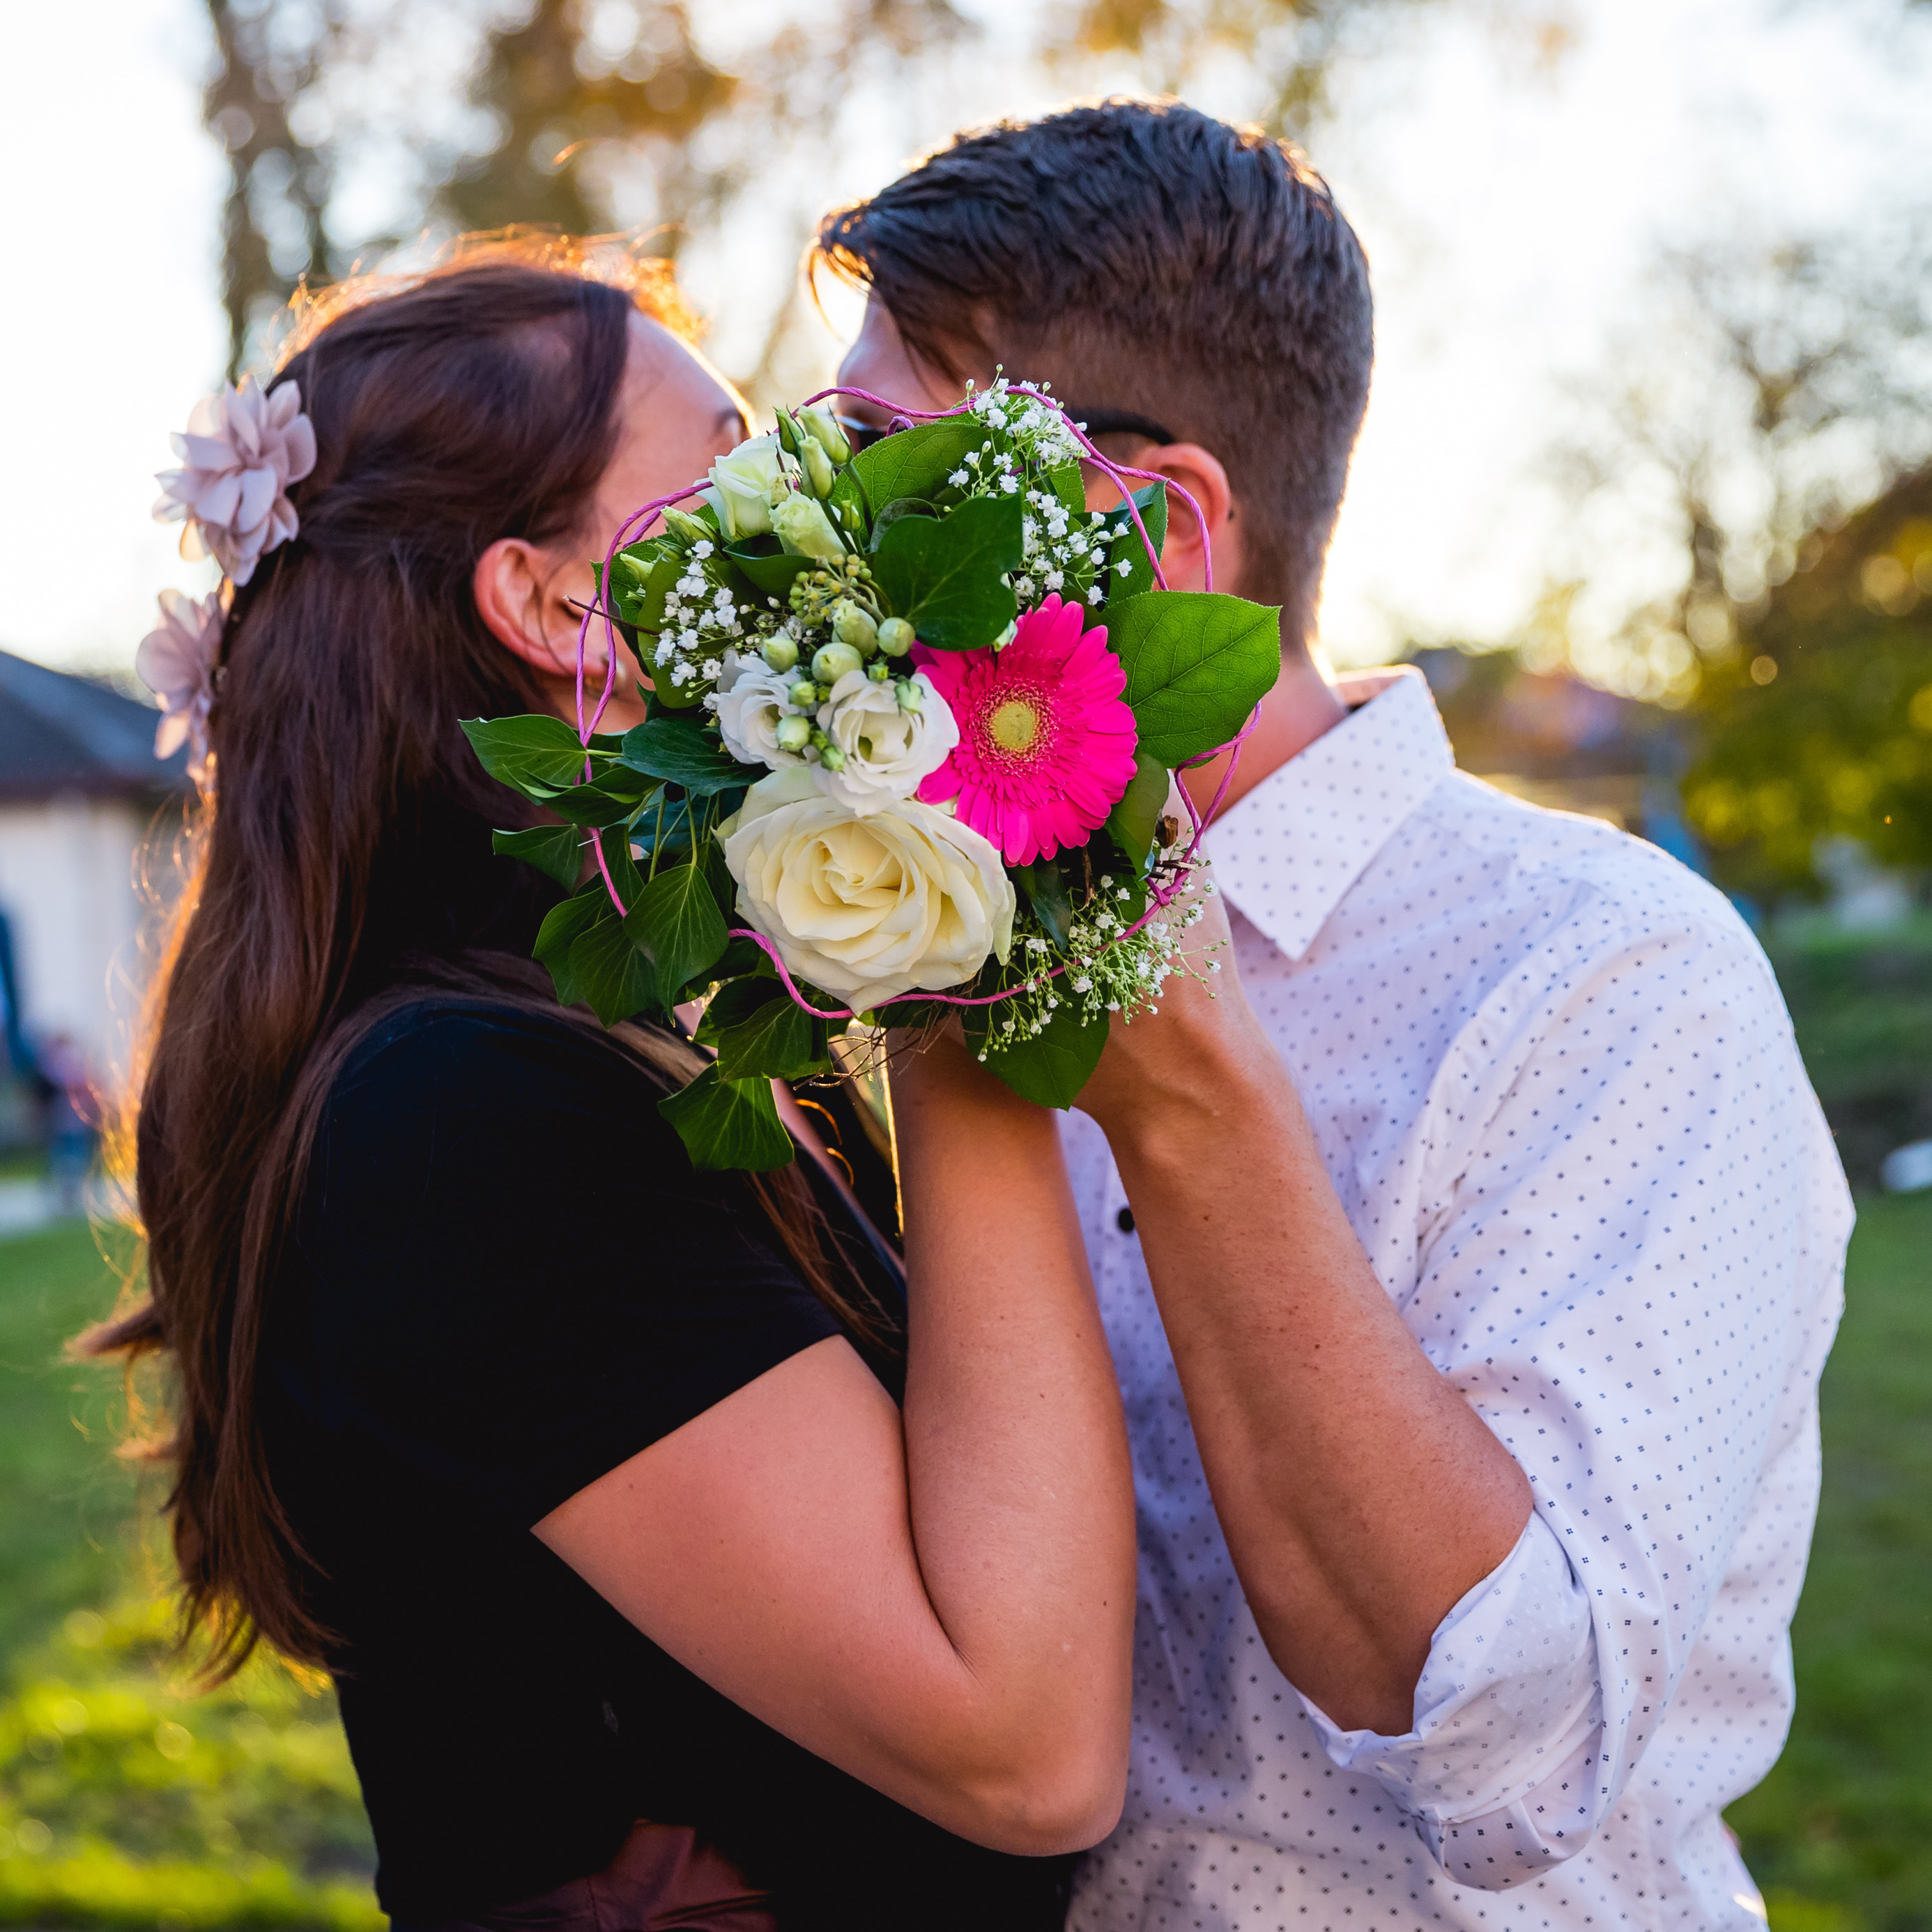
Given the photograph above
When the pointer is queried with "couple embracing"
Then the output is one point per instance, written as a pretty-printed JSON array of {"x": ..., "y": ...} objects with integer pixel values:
[{"x": 1355, "y": 1470}]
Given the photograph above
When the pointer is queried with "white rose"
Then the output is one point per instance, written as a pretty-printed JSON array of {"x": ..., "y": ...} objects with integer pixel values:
[
  {"x": 743, "y": 484},
  {"x": 888, "y": 749},
  {"x": 906, "y": 899},
  {"x": 750, "y": 699}
]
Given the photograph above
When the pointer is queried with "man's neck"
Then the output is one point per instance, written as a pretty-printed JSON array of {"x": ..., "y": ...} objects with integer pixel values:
[{"x": 1301, "y": 707}]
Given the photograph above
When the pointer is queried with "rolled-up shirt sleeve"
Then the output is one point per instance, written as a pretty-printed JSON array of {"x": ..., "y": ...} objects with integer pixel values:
[
  {"x": 1614, "y": 1256},
  {"x": 1497, "y": 1770}
]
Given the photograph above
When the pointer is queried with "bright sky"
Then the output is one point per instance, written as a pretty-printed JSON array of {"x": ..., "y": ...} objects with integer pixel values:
[{"x": 1508, "y": 209}]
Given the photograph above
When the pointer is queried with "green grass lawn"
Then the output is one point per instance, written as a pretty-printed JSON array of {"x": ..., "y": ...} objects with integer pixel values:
[
  {"x": 1840, "y": 1835},
  {"x": 125, "y": 1803}
]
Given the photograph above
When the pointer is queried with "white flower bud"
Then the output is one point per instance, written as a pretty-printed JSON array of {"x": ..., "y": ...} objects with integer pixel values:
[
  {"x": 742, "y": 484},
  {"x": 686, "y": 527},
  {"x": 780, "y": 650},
  {"x": 852, "y": 625},
  {"x": 817, "y": 467},
  {"x": 830, "y": 662},
  {"x": 824, "y": 425},
  {"x": 793, "y": 734},
  {"x": 805, "y": 530},
  {"x": 805, "y": 694},
  {"x": 896, "y": 637}
]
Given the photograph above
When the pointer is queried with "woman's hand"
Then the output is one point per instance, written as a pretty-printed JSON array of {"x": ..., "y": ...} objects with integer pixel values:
[{"x": 942, "y": 1603}]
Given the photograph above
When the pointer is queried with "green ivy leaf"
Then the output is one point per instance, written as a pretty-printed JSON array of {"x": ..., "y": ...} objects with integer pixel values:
[
  {"x": 944, "y": 577},
  {"x": 684, "y": 752},
  {"x": 609, "y": 971},
  {"x": 563, "y": 926},
  {"x": 555, "y": 851},
  {"x": 1198, "y": 662},
  {"x": 1050, "y": 1068},
  {"x": 916, "y": 462},
  {"x": 609, "y": 799},
  {"x": 675, "y": 921},
  {"x": 1133, "y": 822},
  {"x": 728, "y": 1123},
  {"x": 778, "y": 1041},
  {"x": 536, "y": 755}
]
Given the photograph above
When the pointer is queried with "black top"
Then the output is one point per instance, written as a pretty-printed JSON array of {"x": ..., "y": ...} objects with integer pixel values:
[{"x": 506, "y": 1280}]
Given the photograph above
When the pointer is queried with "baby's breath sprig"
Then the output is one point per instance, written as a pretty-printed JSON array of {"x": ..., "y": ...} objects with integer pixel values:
[{"x": 1111, "y": 965}]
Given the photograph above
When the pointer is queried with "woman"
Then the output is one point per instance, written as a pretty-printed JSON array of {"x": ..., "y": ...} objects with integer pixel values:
[{"x": 647, "y": 1603}]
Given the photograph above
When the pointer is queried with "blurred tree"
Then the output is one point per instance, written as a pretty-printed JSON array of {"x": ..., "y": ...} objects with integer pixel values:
[
  {"x": 1770, "y": 388},
  {"x": 272, "y": 230},
  {"x": 1818, "y": 728},
  {"x": 585, "y": 114}
]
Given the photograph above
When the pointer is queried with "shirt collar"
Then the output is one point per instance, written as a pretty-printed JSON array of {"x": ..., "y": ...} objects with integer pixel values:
[{"x": 1289, "y": 850}]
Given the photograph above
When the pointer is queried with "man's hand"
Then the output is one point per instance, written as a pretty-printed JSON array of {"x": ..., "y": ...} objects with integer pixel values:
[{"x": 1360, "y": 1495}]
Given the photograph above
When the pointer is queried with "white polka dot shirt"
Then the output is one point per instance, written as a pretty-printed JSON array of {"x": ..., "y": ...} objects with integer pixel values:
[{"x": 1556, "y": 1088}]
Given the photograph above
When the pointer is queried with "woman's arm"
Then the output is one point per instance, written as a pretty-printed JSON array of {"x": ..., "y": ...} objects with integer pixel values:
[{"x": 942, "y": 1603}]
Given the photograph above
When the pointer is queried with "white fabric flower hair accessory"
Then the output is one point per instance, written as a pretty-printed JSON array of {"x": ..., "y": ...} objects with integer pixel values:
[
  {"x": 176, "y": 662},
  {"x": 240, "y": 453}
]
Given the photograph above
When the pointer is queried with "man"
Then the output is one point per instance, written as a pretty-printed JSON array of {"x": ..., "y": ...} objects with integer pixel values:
[{"x": 1474, "y": 1403}]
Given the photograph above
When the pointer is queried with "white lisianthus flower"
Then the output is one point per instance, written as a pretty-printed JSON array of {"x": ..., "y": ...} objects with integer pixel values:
[
  {"x": 888, "y": 748},
  {"x": 904, "y": 900},
  {"x": 743, "y": 484},
  {"x": 750, "y": 699},
  {"x": 806, "y": 530}
]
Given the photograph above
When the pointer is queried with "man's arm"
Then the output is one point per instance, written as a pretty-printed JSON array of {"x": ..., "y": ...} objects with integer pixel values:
[
  {"x": 1360, "y": 1495},
  {"x": 1631, "y": 1236}
]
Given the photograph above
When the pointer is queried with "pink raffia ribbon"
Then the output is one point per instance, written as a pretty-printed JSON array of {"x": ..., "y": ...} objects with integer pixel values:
[{"x": 638, "y": 525}]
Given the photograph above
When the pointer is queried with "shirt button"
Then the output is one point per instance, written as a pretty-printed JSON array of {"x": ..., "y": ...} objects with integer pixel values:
[{"x": 1124, "y": 1220}]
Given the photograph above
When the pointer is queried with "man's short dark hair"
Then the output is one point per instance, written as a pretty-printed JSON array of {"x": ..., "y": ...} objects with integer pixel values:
[{"x": 1149, "y": 258}]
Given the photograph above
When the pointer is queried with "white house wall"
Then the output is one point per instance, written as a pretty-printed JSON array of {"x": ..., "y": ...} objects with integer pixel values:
[{"x": 67, "y": 886}]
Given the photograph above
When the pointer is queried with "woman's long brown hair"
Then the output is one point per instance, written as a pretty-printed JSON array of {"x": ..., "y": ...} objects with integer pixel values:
[{"x": 343, "y": 866}]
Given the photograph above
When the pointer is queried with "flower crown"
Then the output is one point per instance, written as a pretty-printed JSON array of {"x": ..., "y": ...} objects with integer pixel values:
[
  {"x": 914, "y": 713},
  {"x": 240, "y": 452}
]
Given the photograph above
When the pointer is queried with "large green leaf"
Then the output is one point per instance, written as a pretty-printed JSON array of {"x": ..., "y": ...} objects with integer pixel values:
[
  {"x": 916, "y": 462},
  {"x": 778, "y": 1041},
  {"x": 684, "y": 752},
  {"x": 536, "y": 754},
  {"x": 1050, "y": 1067},
  {"x": 728, "y": 1123},
  {"x": 608, "y": 970},
  {"x": 555, "y": 850},
  {"x": 563, "y": 926},
  {"x": 846, "y": 507},
  {"x": 944, "y": 578},
  {"x": 609, "y": 799},
  {"x": 1198, "y": 662},
  {"x": 1131, "y": 824},
  {"x": 675, "y": 921}
]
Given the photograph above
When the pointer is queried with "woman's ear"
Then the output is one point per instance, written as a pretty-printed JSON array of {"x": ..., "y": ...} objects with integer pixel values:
[
  {"x": 514, "y": 591},
  {"x": 1202, "y": 474}
]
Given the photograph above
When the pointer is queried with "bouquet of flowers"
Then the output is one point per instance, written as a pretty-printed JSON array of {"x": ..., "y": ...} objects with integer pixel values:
[{"x": 907, "y": 752}]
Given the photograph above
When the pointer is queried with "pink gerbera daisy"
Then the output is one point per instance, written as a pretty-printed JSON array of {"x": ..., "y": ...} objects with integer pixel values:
[{"x": 1046, "y": 741}]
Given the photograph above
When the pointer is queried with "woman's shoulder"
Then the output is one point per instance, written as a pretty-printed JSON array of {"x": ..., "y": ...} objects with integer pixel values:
[{"x": 455, "y": 1049}]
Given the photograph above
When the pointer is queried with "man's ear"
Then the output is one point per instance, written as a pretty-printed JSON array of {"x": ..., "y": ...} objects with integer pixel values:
[
  {"x": 511, "y": 587},
  {"x": 1201, "y": 473}
]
